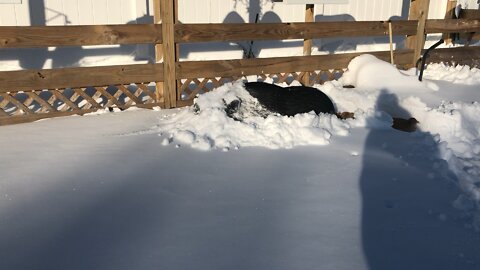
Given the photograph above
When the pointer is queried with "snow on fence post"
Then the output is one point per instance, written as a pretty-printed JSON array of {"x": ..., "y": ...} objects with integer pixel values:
[
  {"x": 167, "y": 13},
  {"x": 307, "y": 43},
  {"x": 418, "y": 11}
]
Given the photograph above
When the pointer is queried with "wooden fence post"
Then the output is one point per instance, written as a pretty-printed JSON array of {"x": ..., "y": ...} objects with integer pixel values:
[
  {"x": 167, "y": 12},
  {"x": 177, "y": 50},
  {"x": 159, "y": 93},
  {"x": 307, "y": 43},
  {"x": 418, "y": 11},
  {"x": 450, "y": 14}
]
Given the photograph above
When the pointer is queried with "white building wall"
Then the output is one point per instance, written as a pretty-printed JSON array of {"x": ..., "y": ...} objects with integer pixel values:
[
  {"x": 81, "y": 12},
  {"x": 13, "y": 14},
  {"x": 216, "y": 11},
  {"x": 71, "y": 12}
]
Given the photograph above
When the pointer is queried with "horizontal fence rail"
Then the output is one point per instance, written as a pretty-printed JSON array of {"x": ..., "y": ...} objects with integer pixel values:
[
  {"x": 452, "y": 26},
  {"x": 45, "y": 36},
  {"x": 82, "y": 35},
  {"x": 24, "y": 80},
  {"x": 465, "y": 56},
  {"x": 245, "y": 67},
  {"x": 186, "y": 33}
]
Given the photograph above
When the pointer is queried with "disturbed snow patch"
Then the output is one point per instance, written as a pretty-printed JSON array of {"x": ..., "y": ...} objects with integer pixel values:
[
  {"x": 454, "y": 125},
  {"x": 455, "y": 74},
  {"x": 207, "y": 126}
]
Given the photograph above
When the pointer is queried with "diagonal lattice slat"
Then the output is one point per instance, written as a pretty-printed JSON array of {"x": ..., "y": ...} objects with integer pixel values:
[
  {"x": 37, "y": 104},
  {"x": 111, "y": 99},
  {"x": 190, "y": 87},
  {"x": 2, "y": 112},
  {"x": 132, "y": 98},
  {"x": 86, "y": 99},
  {"x": 89, "y": 101},
  {"x": 152, "y": 96},
  {"x": 21, "y": 107},
  {"x": 46, "y": 107},
  {"x": 69, "y": 104}
]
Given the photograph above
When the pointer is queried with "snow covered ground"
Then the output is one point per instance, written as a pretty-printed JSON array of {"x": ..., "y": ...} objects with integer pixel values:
[{"x": 175, "y": 189}]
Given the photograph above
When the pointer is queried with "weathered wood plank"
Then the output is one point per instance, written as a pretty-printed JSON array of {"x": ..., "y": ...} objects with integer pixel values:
[
  {"x": 111, "y": 100},
  {"x": 17, "y": 103},
  {"x": 65, "y": 100},
  {"x": 452, "y": 26},
  {"x": 26, "y": 80},
  {"x": 157, "y": 18},
  {"x": 78, "y": 35},
  {"x": 307, "y": 43},
  {"x": 147, "y": 91},
  {"x": 167, "y": 10},
  {"x": 3, "y": 113},
  {"x": 132, "y": 97},
  {"x": 183, "y": 103},
  {"x": 243, "y": 67},
  {"x": 463, "y": 56},
  {"x": 449, "y": 14},
  {"x": 44, "y": 36},
  {"x": 45, "y": 105},
  {"x": 470, "y": 14},
  {"x": 418, "y": 11},
  {"x": 188, "y": 33},
  {"x": 90, "y": 101}
]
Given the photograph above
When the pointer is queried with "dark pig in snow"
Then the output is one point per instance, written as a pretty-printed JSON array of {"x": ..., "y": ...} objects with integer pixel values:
[{"x": 290, "y": 100}]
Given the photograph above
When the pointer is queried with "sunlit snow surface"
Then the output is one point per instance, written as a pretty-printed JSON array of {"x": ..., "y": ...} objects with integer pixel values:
[{"x": 194, "y": 189}]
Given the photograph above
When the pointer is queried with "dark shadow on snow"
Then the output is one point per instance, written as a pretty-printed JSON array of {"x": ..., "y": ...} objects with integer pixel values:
[
  {"x": 138, "y": 217},
  {"x": 408, "y": 221}
]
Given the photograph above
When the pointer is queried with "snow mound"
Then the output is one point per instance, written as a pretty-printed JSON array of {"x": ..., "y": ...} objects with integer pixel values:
[
  {"x": 455, "y": 74},
  {"x": 368, "y": 72},
  {"x": 207, "y": 126}
]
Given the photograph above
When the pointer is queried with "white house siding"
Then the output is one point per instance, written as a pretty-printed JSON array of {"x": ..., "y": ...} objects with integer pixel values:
[
  {"x": 70, "y": 12},
  {"x": 362, "y": 10},
  {"x": 81, "y": 12},
  {"x": 13, "y": 14},
  {"x": 216, "y": 11}
]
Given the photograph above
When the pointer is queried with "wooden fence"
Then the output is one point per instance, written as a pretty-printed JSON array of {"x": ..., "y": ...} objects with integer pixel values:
[{"x": 28, "y": 95}]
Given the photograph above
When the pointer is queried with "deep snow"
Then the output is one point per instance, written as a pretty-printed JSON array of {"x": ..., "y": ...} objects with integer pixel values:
[{"x": 172, "y": 189}]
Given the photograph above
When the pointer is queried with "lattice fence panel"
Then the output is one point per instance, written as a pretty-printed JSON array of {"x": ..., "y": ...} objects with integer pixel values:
[
  {"x": 37, "y": 104},
  {"x": 189, "y": 88}
]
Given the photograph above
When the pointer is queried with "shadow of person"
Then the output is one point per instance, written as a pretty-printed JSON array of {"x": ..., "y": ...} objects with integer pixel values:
[
  {"x": 408, "y": 221},
  {"x": 265, "y": 45},
  {"x": 332, "y": 45}
]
